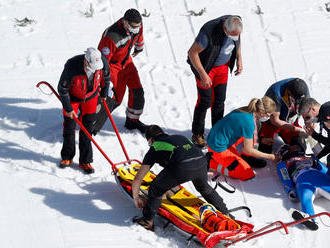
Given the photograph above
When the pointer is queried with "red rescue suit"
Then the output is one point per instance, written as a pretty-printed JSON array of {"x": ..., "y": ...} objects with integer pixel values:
[
  {"x": 79, "y": 93},
  {"x": 116, "y": 44}
]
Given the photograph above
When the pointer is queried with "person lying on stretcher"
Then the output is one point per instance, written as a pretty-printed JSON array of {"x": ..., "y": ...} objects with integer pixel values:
[{"x": 303, "y": 178}]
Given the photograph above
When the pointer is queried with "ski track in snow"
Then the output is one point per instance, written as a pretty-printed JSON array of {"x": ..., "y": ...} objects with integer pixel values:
[{"x": 46, "y": 206}]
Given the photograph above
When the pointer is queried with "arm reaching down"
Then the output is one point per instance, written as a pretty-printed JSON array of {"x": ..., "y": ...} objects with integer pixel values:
[{"x": 137, "y": 183}]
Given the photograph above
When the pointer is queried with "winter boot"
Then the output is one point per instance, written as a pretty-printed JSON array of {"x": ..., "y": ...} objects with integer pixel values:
[
  {"x": 310, "y": 224},
  {"x": 254, "y": 162},
  {"x": 131, "y": 124},
  {"x": 87, "y": 168},
  {"x": 199, "y": 140},
  {"x": 65, "y": 163},
  {"x": 144, "y": 223},
  {"x": 208, "y": 157},
  {"x": 265, "y": 148}
]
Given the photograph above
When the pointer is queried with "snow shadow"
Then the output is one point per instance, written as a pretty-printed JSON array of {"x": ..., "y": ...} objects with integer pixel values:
[
  {"x": 120, "y": 122},
  {"x": 103, "y": 202},
  {"x": 12, "y": 150},
  {"x": 40, "y": 124}
]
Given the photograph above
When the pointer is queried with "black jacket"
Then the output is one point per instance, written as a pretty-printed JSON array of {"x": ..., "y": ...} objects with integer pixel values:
[
  {"x": 323, "y": 140},
  {"x": 170, "y": 150}
]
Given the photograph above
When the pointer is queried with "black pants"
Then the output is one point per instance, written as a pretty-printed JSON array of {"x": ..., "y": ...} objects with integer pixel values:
[
  {"x": 206, "y": 100},
  {"x": 195, "y": 171},
  {"x": 101, "y": 115},
  {"x": 85, "y": 147}
]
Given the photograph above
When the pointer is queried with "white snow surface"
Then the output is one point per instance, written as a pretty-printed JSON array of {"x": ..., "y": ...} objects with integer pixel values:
[{"x": 45, "y": 206}]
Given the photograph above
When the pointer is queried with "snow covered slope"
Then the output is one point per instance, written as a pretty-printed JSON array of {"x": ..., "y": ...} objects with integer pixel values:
[{"x": 44, "y": 206}]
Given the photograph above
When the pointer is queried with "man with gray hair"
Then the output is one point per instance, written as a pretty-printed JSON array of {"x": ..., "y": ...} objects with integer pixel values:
[
  {"x": 313, "y": 112},
  {"x": 216, "y": 48}
]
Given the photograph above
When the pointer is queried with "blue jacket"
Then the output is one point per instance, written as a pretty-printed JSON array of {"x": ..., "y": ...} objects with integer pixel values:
[{"x": 276, "y": 92}]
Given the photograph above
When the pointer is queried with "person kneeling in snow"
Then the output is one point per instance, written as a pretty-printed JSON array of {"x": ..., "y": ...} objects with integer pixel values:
[
  {"x": 182, "y": 162},
  {"x": 303, "y": 177},
  {"x": 313, "y": 112},
  {"x": 231, "y": 140}
]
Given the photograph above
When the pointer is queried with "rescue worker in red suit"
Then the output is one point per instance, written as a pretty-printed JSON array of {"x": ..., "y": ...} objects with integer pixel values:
[
  {"x": 215, "y": 50},
  {"x": 116, "y": 44},
  {"x": 79, "y": 85}
]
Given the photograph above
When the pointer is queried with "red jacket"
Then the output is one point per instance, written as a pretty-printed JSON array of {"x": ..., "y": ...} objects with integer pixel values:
[
  {"x": 79, "y": 86},
  {"x": 74, "y": 86},
  {"x": 116, "y": 44}
]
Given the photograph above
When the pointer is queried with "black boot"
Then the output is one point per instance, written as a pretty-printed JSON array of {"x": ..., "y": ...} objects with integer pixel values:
[
  {"x": 255, "y": 162},
  {"x": 265, "y": 148},
  {"x": 135, "y": 124},
  {"x": 208, "y": 157},
  {"x": 310, "y": 224},
  {"x": 144, "y": 223}
]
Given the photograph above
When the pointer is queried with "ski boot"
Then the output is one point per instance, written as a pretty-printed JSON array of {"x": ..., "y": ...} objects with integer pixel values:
[{"x": 298, "y": 215}]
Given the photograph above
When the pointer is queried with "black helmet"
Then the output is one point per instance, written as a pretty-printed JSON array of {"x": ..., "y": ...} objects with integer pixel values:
[
  {"x": 324, "y": 112},
  {"x": 133, "y": 15},
  {"x": 298, "y": 88},
  {"x": 153, "y": 131}
]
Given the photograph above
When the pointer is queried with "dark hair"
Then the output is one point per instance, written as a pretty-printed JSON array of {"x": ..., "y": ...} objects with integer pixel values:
[
  {"x": 298, "y": 88},
  {"x": 133, "y": 15},
  {"x": 324, "y": 112},
  {"x": 153, "y": 131}
]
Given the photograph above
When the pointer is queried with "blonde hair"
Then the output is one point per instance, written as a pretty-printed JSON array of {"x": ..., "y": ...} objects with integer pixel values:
[{"x": 265, "y": 104}]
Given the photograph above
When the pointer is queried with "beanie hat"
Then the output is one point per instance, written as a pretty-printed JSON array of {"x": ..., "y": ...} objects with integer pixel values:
[
  {"x": 133, "y": 15},
  {"x": 324, "y": 112},
  {"x": 94, "y": 58},
  {"x": 153, "y": 131},
  {"x": 298, "y": 88}
]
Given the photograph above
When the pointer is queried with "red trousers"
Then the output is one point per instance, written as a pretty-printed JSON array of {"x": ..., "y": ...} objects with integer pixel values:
[
  {"x": 230, "y": 163},
  {"x": 88, "y": 107},
  {"x": 268, "y": 130},
  {"x": 128, "y": 77},
  {"x": 213, "y": 97}
]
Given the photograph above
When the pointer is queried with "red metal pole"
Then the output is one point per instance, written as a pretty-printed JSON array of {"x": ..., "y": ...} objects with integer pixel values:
[
  {"x": 262, "y": 231},
  {"x": 80, "y": 124},
  {"x": 115, "y": 128}
]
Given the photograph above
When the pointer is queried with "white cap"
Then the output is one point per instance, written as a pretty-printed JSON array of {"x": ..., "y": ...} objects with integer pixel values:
[{"x": 93, "y": 57}]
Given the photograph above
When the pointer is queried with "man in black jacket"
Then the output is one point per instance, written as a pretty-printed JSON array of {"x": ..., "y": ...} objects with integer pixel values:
[
  {"x": 216, "y": 48},
  {"x": 78, "y": 88},
  {"x": 313, "y": 112},
  {"x": 182, "y": 162}
]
